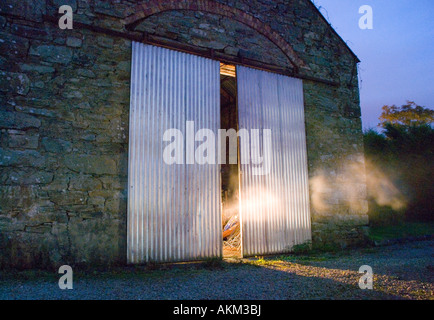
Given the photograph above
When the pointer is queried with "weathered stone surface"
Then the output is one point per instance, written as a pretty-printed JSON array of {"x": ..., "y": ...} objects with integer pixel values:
[
  {"x": 97, "y": 241},
  {"x": 116, "y": 205},
  {"x": 15, "y": 120},
  {"x": 73, "y": 42},
  {"x": 27, "y": 9},
  {"x": 96, "y": 201},
  {"x": 107, "y": 8},
  {"x": 14, "y": 82},
  {"x": 91, "y": 164},
  {"x": 111, "y": 183},
  {"x": 71, "y": 3},
  {"x": 23, "y": 140},
  {"x": 84, "y": 182},
  {"x": 5, "y": 223},
  {"x": 37, "y": 111},
  {"x": 60, "y": 183},
  {"x": 105, "y": 42},
  {"x": 2, "y": 21},
  {"x": 37, "y": 68},
  {"x": 15, "y": 199},
  {"x": 73, "y": 94},
  {"x": 124, "y": 66},
  {"x": 13, "y": 46},
  {"x": 30, "y": 32},
  {"x": 64, "y": 198},
  {"x": 27, "y": 158},
  {"x": 57, "y": 146},
  {"x": 86, "y": 73},
  {"x": 41, "y": 228},
  {"x": 50, "y": 53},
  {"x": 30, "y": 178}
]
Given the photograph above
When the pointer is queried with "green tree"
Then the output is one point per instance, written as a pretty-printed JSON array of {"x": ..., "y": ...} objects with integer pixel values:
[
  {"x": 407, "y": 115},
  {"x": 404, "y": 151}
]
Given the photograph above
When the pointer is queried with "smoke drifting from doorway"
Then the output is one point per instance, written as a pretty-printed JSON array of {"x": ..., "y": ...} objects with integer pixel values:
[{"x": 331, "y": 190}]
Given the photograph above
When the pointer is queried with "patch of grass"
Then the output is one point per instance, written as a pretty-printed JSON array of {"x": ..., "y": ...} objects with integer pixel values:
[
  {"x": 28, "y": 275},
  {"x": 302, "y": 248},
  {"x": 403, "y": 230},
  {"x": 260, "y": 261},
  {"x": 302, "y": 254},
  {"x": 312, "y": 256},
  {"x": 384, "y": 215},
  {"x": 302, "y": 259},
  {"x": 321, "y": 248},
  {"x": 369, "y": 250}
]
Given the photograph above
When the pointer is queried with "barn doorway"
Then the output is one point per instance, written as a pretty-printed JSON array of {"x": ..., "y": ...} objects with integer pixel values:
[
  {"x": 231, "y": 231},
  {"x": 178, "y": 208}
]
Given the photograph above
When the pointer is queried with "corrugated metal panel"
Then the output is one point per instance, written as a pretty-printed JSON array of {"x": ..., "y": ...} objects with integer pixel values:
[
  {"x": 173, "y": 210},
  {"x": 275, "y": 206}
]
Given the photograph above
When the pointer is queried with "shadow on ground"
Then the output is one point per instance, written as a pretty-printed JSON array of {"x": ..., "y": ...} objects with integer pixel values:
[{"x": 400, "y": 272}]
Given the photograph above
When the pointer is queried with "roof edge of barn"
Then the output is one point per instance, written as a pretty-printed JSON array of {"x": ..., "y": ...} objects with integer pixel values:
[{"x": 333, "y": 30}]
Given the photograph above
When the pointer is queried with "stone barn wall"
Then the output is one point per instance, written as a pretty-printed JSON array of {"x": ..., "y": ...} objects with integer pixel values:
[{"x": 64, "y": 113}]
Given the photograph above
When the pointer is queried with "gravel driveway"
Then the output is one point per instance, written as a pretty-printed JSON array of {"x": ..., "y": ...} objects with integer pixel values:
[{"x": 404, "y": 271}]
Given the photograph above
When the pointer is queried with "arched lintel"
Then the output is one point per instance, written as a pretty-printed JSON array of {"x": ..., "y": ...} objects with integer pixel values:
[{"x": 145, "y": 10}]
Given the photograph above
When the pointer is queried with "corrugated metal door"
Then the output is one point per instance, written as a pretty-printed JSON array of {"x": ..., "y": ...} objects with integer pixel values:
[
  {"x": 173, "y": 210},
  {"x": 274, "y": 194}
]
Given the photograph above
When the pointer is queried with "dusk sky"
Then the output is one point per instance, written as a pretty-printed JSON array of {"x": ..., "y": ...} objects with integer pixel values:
[{"x": 397, "y": 55}]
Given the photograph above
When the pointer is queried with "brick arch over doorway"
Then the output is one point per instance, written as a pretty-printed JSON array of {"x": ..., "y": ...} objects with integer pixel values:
[{"x": 145, "y": 10}]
